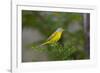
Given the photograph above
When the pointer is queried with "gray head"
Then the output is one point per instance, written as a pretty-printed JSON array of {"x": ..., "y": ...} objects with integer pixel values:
[{"x": 60, "y": 30}]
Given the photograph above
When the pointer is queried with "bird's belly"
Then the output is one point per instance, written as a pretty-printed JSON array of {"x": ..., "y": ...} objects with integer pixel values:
[{"x": 56, "y": 38}]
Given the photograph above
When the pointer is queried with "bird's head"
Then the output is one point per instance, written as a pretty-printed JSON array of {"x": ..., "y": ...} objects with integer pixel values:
[{"x": 60, "y": 29}]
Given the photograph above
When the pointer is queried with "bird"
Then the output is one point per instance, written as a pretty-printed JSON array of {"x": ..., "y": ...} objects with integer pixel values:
[{"x": 55, "y": 37}]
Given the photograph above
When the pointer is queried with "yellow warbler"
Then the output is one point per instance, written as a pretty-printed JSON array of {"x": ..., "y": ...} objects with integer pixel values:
[{"x": 54, "y": 37}]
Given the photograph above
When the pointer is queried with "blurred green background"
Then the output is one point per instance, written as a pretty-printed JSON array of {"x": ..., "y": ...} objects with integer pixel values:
[{"x": 37, "y": 26}]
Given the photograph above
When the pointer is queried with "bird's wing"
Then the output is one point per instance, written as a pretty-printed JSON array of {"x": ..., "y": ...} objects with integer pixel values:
[{"x": 52, "y": 36}]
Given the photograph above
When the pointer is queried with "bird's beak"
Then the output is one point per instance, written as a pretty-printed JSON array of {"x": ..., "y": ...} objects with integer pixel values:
[{"x": 62, "y": 29}]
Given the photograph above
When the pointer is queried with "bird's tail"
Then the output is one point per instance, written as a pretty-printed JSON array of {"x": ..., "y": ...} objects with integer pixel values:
[
  {"x": 44, "y": 43},
  {"x": 40, "y": 45}
]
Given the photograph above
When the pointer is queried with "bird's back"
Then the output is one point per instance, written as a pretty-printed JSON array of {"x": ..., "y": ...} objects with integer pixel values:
[{"x": 55, "y": 37}]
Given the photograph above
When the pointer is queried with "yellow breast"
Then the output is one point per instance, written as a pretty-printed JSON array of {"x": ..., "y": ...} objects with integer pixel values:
[{"x": 56, "y": 37}]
